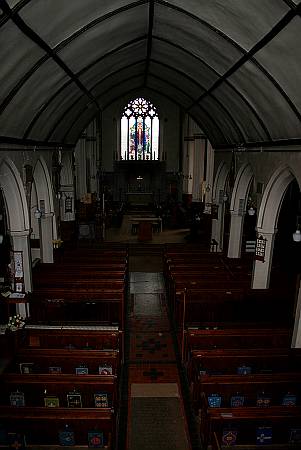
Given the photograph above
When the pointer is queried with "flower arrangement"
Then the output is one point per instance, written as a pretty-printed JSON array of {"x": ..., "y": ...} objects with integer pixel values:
[{"x": 15, "y": 322}]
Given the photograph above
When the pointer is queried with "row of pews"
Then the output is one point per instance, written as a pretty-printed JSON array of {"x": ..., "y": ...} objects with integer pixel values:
[
  {"x": 85, "y": 283},
  {"x": 244, "y": 377},
  {"x": 61, "y": 386}
]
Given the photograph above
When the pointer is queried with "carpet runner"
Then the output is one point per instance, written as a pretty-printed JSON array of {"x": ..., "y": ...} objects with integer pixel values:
[{"x": 156, "y": 417}]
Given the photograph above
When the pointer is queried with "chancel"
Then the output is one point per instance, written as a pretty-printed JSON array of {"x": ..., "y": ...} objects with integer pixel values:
[{"x": 150, "y": 174}]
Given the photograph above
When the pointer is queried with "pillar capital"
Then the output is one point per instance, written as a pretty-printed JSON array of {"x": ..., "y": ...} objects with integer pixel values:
[
  {"x": 266, "y": 233},
  {"x": 66, "y": 188},
  {"x": 22, "y": 233},
  {"x": 47, "y": 215}
]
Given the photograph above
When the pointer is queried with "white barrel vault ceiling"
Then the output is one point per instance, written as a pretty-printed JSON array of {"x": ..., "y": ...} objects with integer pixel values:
[{"x": 233, "y": 65}]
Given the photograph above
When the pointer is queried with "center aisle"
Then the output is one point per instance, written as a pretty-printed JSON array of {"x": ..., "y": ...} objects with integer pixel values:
[{"x": 156, "y": 416}]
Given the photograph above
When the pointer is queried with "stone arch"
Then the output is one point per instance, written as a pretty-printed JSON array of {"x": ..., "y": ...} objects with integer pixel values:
[
  {"x": 67, "y": 193},
  {"x": 17, "y": 219},
  {"x": 272, "y": 199},
  {"x": 267, "y": 219},
  {"x": 67, "y": 170},
  {"x": 45, "y": 202},
  {"x": 42, "y": 180},
  {"x": 238, "y": 204},
  {"x": 219, "y": 192},
  {"x": 15, "y": 197},
  {"x": 241, "y": 188}
]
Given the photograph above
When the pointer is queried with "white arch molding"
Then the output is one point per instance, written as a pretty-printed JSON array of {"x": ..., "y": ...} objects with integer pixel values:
[
  {"x": 47, "y": 223},
  {"x": 219, "y": 191},
  {"x": 238, "y": 203},
  {"x": 15, "y": 197},
  {"x": 266, "y": 226},
  {"x": 67, "y": 188},
  {"x": 266, "y": 223},
  {"x": 17, "y": 218}
]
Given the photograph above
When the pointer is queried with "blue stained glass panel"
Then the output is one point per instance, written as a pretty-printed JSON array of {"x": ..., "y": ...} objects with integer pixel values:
[{"x": 140, "y": 131}]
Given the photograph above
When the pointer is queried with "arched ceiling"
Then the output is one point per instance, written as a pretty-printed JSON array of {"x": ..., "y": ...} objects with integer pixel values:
[{"x": 233, "y": 65}]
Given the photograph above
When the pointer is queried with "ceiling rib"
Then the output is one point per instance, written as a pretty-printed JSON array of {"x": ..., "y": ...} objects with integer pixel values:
[
  {"x": 41, "y": 110},
  {"x": 249, "y": 55},
  {"x": 32, "y": 142},
  {"x": 261, "y": 144},
  {"x": 177, "y": 88},
  {"x": 279, "y": 88},
  {"x": 172, "y": 100},
  {"x": 203, "y": 22},
  {"x": 42, "y": 44},
  {"x": 112, "y": 52},
  {"x": 184, "y": 75},
  {"x": 71, "y": 106},
  {"x": 47, "y": 103},
  {"x": 50, "y": 133},
  {"x": 21, "y": 82},
  {"x": 97, "y": 21},
  {"x": 245, "y": 100},
  {"x": 291, "y": 4},
  {"x": 149, "y": 39},
  {"x": 117, "y": 84},
  {"x": 239, "y": 132}
]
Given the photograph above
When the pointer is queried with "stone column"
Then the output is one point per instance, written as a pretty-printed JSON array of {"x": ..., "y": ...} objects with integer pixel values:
[
  {"x": 81, "y": 181},
  {"x": 185, "y": 165},
  {"x": 190, "y": 164},
  {"x": 217, "y": 230},
  {"x": 198, "y": 168},
  {"x": 46, "y": 237},
  {"x": 67, "y": 192},
  {"x": 296, "y": 339},
  {"x": 262, "y": 269},
  {"x": 235, "y": 239},
  {"x": 209, "y": 172},
  {"x": 91, "y": 155},
  {"x": 20, "y": 241}
]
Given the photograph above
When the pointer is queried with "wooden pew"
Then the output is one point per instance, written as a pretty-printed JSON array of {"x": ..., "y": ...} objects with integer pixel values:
[
  {"x": 194, "y": 306},
  {"x": 59, "y": 399},
  {"x": 274, "y": 385},
  {"x": 239, "y": 337},
  {"x": 41, "y": 426},
  {"x": 61, "y": 336},
  {"x": 247, "y": 420},
  {"x": 68, "y": 348},
  {"x": 82, "y": 283},
  {"x": 225, "y": 362},
  {"x": 67, "y": 305},
  {"x": 68, "y": 360}
]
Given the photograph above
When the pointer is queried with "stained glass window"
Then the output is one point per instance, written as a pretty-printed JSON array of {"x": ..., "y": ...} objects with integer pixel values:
[{"x": 140, "y": 131}]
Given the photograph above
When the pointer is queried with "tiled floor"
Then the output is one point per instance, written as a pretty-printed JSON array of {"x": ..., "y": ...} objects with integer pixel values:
[{"x": 156, "y": 417}]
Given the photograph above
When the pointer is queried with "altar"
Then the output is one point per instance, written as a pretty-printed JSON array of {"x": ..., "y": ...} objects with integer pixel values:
[
  {"x": 140, "y": 198},
  {"x": 152, "y": 220}
]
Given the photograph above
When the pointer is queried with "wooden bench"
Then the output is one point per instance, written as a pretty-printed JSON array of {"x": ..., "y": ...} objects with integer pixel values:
[
  {"x": 274, "y": 385},
  {"x": 41, "y": 426},
  {"x": 68, "y": 360},
  {"x": 60, "y": 336},
  {"x": 66, "y": 305},
  {"x": 240, "y": 337},
  {"x": 246, "y": 420},
  {"x": 225, "y": 362},
  {"x": 192, "y": 307}
]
